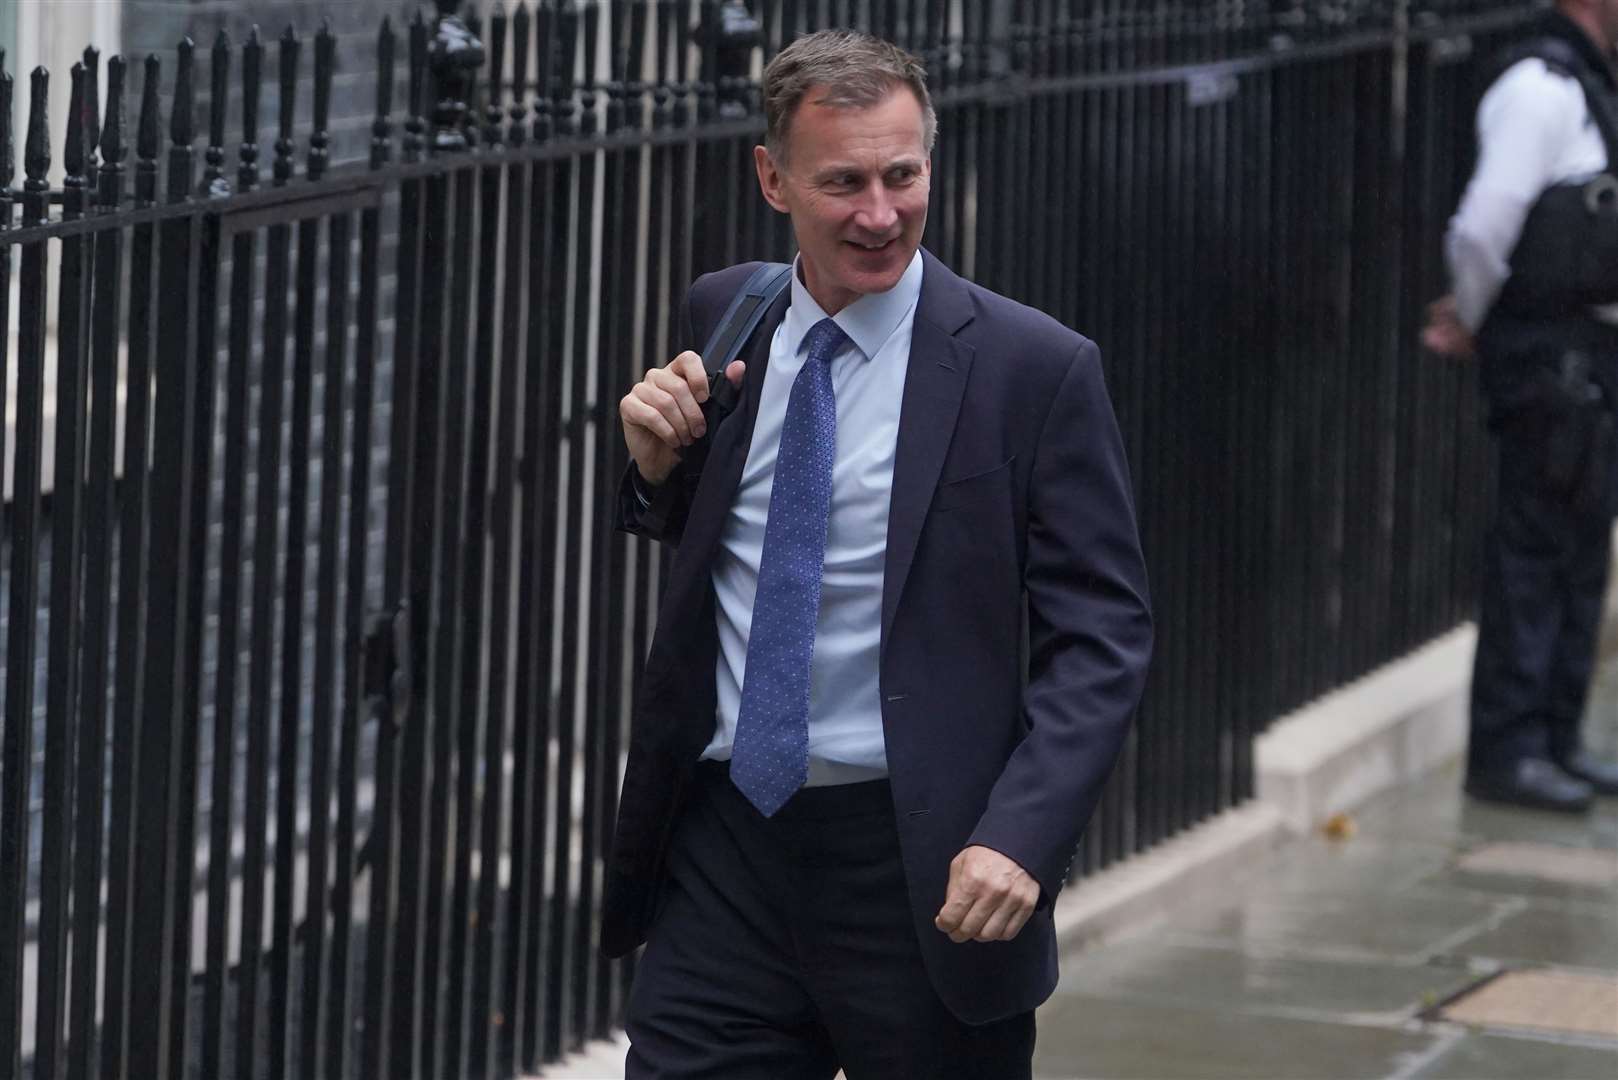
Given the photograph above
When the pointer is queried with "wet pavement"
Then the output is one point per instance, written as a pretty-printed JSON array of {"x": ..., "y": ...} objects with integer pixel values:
[{"x": 1344, "y": 959}]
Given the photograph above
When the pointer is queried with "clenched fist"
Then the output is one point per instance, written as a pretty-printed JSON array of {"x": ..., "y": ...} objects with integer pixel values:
[
  {"x": 989, "y": 897},
  {"x": 662, "y": 414}
]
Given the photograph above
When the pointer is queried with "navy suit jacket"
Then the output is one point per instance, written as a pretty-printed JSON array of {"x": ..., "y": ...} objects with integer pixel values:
[{"x": 1015, "y": 624}]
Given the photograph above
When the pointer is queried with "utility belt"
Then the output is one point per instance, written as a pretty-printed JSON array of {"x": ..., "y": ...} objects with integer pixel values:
[{"x": 1552, "y": 388}]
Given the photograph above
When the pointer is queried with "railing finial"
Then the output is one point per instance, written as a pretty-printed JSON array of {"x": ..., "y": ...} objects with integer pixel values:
[
  {"x": 252, "y": 85},
  {"x": 146, "y": 135},
  {"x": 73, "y": 152},
  {"x": 214, "y": 183},
  {"x": 456, "y": 57},
  {"x": 325, "y": 65},
  {"x": 284, "y": 146},
  {"x": 382, "y": 127},
  {"x": 415, "y": 106},
  {"x": 8, "y": 156},
  {"x": 36, "y": 158},
  {"x": 730, "y": 33},
  {"x": 182, "y": 124},
  {"x": 92, "y": 102},
  {"x": 521, "y": 24},
  {"x": 112, "y": 135}
]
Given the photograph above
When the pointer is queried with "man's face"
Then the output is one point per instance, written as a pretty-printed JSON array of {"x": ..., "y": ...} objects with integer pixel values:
[{"x": 856, "y": 183}]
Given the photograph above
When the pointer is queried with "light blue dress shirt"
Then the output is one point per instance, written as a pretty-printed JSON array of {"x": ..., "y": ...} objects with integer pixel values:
[{"x": 868, "y": 376}]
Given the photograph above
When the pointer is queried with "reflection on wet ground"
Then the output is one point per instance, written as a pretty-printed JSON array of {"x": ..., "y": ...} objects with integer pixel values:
[{"x": 1396, "y": 953}]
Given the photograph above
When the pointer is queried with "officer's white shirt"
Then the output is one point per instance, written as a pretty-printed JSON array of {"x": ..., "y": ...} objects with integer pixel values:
[{"x": 1534, "y": 131}]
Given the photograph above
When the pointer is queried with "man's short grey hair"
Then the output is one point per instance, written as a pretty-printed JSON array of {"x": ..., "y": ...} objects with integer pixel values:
[{"x": 851, "y": 69}]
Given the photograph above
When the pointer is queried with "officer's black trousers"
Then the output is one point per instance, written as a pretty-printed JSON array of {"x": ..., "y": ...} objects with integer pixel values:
[
  {"x": 784, "y": 948},
  {"x": 1544, "y": 580}
]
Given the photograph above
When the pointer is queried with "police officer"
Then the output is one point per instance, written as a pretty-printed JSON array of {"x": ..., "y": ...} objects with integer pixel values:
[{"x": 1533, "y": 261}]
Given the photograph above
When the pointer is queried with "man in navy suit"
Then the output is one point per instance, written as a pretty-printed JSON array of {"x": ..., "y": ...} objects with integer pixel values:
[{"x": 902, "y": 637}]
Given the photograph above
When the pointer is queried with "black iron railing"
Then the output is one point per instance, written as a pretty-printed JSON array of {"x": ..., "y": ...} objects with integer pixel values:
[{"x": 319, "y": 649}]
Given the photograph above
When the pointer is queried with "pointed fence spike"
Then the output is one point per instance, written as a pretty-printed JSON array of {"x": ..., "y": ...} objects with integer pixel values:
[
  {"x": 567, "y": 25},
  {"x": 252, "y": 87},
  {"x": 635, "y": 86},
  {"x": 588, "y": 76},
  {"x": 36, "y": 161},
  {"x": 418, "y": 65},
  {"x": 385, "y": 43},
  {"x": 214, "y": 183},
  {"x": 146, "y": 139},
  {"x": 112, "y": 130},
  {"x": 8, "y": 154},
  {"x": 415, "y": 122},
  {"x": 543, "y": 46},
  {"x": 518, "y": 110},
  {"x": 320, "y": 138},
  {"x": 457, "y": 57},
  {"x": 284, "y": 146},
  {"x": 73, "y": 152},
  {"x": 182, "y": 122},
  {"x": 110, "y": 182},
  {"x": 218, "y": 89},
  {"x": 325, "y": 65},
  {"x": 492, "y": 112},
  {"x": 92, "y": 100},
  {"x": 382, "y": 126},
  {"x": 252, "y": 84}
]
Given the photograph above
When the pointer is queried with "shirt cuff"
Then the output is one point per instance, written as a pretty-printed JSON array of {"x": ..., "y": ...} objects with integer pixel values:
[{"x": 643, "y": 490}]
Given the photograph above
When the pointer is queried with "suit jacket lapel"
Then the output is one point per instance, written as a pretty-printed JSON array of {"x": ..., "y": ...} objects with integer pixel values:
[{"x": 935, "y": 382}]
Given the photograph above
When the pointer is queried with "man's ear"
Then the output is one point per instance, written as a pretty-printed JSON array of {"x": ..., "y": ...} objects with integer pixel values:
[{"x": 770, "y": 179}]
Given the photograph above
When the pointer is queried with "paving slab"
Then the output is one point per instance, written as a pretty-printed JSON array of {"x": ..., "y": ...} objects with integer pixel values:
[
  {"x": 1548, "y": 862},
  {"x": 1540, "y": 890},
  {"x": 1370, "y": 923},
  {"x": 1584, "y": 937},
  {"x": 1544, "y": 1000},
  {"x": 1306, "y": 987},
  {"x": 1493, "y": 1057},
  {"x": 1083, "y": 1037},
  {"x": 1318, "y": 865},
  {"x": 1435, "y": 810}
]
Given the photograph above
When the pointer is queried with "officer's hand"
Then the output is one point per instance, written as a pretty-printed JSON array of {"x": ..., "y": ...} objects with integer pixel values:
[
  {"x": 989, "y": 897},
  {"x": 662, "y": 414},
  {"x": 1445, "y": 333}
]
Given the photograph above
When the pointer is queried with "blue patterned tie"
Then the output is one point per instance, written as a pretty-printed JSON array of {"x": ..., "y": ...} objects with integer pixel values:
[{"x": 770, "y": 760}]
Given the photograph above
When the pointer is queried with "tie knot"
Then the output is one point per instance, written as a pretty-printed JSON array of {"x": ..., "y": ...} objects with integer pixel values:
[{"x": 825, "y": 339}]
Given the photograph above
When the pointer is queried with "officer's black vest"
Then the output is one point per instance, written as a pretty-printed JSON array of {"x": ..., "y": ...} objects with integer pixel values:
[{"x": 1567, "y": 256}]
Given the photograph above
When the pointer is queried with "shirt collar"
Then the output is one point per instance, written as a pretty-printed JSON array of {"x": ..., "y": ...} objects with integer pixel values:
[{"x": 868, "y": 321}]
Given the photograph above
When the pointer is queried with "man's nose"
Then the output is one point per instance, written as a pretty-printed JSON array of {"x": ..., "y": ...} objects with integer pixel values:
[{"x": 877, "y": 212}]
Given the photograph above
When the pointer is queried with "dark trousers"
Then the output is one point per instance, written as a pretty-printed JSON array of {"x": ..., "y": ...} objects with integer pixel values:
[
  {"x": 1544, "y": 582},
  {"x": 784, "y": 949}
]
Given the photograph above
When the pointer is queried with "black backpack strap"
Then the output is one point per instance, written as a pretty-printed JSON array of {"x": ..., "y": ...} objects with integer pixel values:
[
  {"x": 730, "y": 334},
  {"x": 742, "y": 317}
]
